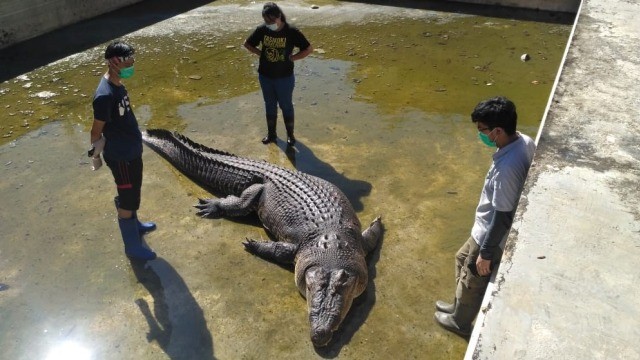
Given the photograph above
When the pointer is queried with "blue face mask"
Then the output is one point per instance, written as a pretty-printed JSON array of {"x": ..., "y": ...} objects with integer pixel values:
[
  {"x": 272, "y": 27},
  {"x": 126, "y": 72},
  {"x": 485, "y": 139}
]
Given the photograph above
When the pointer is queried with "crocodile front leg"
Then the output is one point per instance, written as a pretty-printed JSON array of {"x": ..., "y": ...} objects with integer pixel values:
[
  {"x": 276, "y": 251},
  {"x": 372, "y": 234},
  {"x": 231, "y": 205}
]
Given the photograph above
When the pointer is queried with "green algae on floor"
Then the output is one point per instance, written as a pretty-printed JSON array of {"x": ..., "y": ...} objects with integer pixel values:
[
  {"x": 169, "y": 71},
  {"x": 444, "y": 64},
  {"x": 448, "y": 66}
]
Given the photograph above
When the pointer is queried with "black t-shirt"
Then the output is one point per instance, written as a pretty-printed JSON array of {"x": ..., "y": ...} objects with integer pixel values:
[
  {"x": 111, "y": 105},
  {"x": 277, "y": 46}
]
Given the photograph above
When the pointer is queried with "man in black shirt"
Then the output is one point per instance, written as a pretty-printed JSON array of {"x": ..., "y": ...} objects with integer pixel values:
[{"x": 115, "y": 134}]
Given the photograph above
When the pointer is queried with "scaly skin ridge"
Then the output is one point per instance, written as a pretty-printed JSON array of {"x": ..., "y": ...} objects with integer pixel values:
[{"x": 229, "y": 174}]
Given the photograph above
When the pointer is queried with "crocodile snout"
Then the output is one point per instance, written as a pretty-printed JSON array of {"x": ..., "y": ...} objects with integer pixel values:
[{"x": 321, "y": 337}]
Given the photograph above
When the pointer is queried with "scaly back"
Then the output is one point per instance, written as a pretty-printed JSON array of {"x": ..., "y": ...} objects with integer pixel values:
[{"x": 310, "y": 200}]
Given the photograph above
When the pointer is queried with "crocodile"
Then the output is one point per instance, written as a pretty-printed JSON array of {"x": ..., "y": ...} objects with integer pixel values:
[{"x": 313, "y": 223}]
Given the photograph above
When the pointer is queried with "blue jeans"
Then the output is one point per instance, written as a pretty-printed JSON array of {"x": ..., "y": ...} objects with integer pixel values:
[{"x": 278, "y": 91}]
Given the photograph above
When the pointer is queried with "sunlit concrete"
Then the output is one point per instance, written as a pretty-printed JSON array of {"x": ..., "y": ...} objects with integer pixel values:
[{"x": 567, "y": 287}]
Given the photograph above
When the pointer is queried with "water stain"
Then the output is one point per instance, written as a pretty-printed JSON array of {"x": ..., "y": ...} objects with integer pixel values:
[{"x": 381, "y": 111}]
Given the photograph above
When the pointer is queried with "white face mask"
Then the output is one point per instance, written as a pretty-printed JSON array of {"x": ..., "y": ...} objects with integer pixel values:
[{"x": 272, "y": 27}]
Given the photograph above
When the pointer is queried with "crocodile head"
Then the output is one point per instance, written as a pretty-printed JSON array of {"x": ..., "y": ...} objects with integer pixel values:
[
  {"x": 329, "y": 294},
  {"x": 330, "y": 275}
]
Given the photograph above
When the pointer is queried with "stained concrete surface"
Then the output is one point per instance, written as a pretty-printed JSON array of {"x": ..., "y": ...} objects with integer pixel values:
[
  {"x": 568, "y": 285},
  {"x": 68, "y": 289}
]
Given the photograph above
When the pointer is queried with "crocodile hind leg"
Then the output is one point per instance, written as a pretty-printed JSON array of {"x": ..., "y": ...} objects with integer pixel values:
[
  {"x": 372, "y": 234},
  {"x": 231, "y": 205}
]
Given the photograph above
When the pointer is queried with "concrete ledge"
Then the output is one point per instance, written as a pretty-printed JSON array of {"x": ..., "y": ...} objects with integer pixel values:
[
  {"x": 567, "y": 287},
  {"x": 24, "y": 19}
]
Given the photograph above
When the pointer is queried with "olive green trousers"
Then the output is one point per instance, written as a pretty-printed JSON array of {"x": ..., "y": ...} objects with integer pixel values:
[{"x": 470, "y": 288}]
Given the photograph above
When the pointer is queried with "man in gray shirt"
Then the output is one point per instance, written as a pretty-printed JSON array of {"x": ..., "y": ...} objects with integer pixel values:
[{"x": 496, "y": 119}]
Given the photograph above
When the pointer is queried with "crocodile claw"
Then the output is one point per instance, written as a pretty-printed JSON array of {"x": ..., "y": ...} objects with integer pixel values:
[
  {"x": 208, "y": 208},
  {"x": 249, "y": 243},
  {"x": 252, "y": 246}
]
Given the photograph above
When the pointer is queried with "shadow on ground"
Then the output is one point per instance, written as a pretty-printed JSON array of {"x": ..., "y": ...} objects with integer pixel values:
[{"x": 176, "y": 322}]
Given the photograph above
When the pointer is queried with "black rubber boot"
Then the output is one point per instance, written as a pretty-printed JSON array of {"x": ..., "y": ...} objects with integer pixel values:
[
  {"x": 445, "y": 307},
  {"x": 289, "y": 124},
  {"x": 271, "y": 130},
  {"x": 459, "y": 321}
]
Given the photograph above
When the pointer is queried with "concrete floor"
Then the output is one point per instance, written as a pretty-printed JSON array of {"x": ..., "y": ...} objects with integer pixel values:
[
  {"x": 564, "y": 290},
  {"x": 66, "y": 288},
  {"x": 567, "y": 286}
]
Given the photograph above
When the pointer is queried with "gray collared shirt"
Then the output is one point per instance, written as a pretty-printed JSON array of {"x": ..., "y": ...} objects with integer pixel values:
[{"x": 503, "y": 183}]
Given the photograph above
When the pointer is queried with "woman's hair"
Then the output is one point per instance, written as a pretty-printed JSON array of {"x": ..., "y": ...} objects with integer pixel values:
[
  {"x": 273, "y": 11},
  {"x": 497, "y": 112}
]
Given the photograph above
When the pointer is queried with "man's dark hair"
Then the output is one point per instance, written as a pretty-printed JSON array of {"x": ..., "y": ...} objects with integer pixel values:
[
  {"x": 497, "y": 112},
  {"x": 272, "y": 11},
  {"x": 118, "y": 48}
]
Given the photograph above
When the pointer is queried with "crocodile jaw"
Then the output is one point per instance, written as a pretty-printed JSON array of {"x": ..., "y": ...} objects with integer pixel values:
[{"x": 329, "y": 293}]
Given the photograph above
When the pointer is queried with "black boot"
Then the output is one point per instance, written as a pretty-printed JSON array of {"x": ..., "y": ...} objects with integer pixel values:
[
  {"x": 459, "y": 321},
  {"x": 288, "y": 124},
  {"x": 271, "y": 130}
]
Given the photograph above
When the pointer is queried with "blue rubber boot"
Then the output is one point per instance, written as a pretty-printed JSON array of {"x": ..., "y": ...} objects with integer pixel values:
[
  {"x": 133, "y": 247},
  {"x": 144, "y": 227}
]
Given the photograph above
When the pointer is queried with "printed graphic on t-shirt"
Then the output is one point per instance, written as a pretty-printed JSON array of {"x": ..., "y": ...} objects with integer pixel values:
[
  {"x": 124, "y": 105},
  {"x": 274, "y": 48}
]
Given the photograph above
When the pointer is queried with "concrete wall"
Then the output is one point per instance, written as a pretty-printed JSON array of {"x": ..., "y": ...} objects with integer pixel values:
[
  {"x": 24, "y": 19},
  {"x": 570, "y": 6}
]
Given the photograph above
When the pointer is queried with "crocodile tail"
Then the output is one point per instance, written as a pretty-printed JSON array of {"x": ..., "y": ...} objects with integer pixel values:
[
  {"x": 190, "y": 143},
  {"x": 208, "y": 167}
]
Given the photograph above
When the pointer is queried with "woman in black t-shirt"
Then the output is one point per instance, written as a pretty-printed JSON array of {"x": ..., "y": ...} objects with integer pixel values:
[{"x": 277, "y": 39}]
